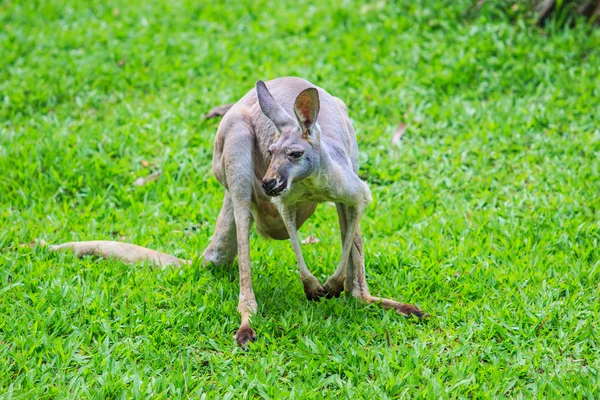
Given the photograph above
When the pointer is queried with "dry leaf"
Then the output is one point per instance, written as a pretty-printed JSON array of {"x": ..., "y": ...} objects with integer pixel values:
[
  {"x": 218, "y": 111},
  {"x": 122, "y": 63},
  {"x": 310, "y": 240},
  {"x": 145, "y": 163},
  {"x": 399, "y": 133},
  {"x": 150, "y": 178}
]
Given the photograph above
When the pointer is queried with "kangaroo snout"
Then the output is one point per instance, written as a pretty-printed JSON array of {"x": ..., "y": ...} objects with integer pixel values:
[
  {"x": 272, "y": 186},
  {"x": 268, "y": 184}
]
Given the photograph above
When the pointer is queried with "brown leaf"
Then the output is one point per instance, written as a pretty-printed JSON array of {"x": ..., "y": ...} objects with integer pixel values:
[
  {"x": 145, "y": 163},
  {"x": 541, "y": 324},
  {"x": 399, "y": 133},
  {"x": 150, "y": 178},
  {"x": 218, "y": 111},
  {"x": 310, "y": 240}
]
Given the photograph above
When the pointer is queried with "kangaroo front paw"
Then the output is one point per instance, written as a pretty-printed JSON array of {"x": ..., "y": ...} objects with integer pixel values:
[
  {"x": 244, "y": 335},
  {"x": 313, "y": 289},
  {"x": 333, "y": 287}
]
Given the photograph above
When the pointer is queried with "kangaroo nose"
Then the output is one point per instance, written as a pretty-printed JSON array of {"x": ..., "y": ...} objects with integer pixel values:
[{"x": 269, "y": 184}]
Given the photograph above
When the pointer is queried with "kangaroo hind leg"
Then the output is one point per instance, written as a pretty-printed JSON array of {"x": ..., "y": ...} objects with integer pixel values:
[{"x": 223, "y": 246}]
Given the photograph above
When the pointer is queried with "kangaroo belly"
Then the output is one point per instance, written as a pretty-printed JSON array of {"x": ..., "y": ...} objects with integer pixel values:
[{"x": 270, "y": 224}]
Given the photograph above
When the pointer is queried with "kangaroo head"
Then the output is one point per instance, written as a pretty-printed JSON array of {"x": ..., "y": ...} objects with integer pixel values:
[{"x": 295, "y": 154}]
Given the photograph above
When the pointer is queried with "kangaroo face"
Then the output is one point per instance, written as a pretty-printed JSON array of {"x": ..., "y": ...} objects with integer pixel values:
[
  {"x": 295, "y": 154},
  {"x": 292, "y": 159}
]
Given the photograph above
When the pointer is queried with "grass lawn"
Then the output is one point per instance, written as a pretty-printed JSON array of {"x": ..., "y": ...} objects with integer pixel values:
[{"x": 486, "y": 215}]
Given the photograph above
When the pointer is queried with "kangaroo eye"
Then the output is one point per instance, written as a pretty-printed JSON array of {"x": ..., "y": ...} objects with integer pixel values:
[{"x": 296, "y": 154}]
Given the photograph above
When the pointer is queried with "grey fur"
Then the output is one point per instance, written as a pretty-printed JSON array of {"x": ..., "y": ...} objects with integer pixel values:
[{"x": 256, "y": 152}]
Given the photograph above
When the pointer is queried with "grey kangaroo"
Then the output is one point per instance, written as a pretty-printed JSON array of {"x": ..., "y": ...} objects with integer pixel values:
[{"x": 286, "y": 146}]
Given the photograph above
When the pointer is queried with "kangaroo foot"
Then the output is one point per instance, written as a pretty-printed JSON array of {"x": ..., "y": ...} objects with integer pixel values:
[
  {"x": 401, "y": 308},
  {"x": 244, "y": 335},
  {"x": 409, "y": 310}
]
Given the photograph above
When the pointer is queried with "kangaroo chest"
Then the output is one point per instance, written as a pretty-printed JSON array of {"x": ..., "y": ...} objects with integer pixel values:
[{"x": 269, "y": 222}]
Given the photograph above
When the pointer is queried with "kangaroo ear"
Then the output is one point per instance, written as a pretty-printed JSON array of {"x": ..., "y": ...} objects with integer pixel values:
[
  {"x": 306, "y": 109},
  {"x": 271, "y": 108}
]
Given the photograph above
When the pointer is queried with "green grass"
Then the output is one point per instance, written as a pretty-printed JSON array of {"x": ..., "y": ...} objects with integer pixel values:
[{"x": 487, "y": 215}]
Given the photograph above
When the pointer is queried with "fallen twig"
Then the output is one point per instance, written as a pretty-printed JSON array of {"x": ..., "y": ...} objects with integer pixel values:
[
  {"x": 399, "y": 133},
  {"x": 150, "y": 178},
  {"x": 541, "y": 324}
]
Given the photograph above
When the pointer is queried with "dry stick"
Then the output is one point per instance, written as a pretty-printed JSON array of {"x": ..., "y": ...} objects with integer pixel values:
[
  {"x": 399, "y": 133},
  {"x": 126, "y": 252},
  {"x": 150, "y": 178}
]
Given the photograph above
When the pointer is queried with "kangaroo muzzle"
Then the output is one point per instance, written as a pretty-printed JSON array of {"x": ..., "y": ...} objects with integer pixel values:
[{"x": 273, "y": 186}]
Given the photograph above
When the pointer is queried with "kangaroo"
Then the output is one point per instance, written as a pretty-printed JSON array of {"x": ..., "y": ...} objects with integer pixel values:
[{"x": 282, "y": 149}]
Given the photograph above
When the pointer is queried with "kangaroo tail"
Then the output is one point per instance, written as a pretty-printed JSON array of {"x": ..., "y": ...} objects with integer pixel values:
[{"x": 126, "y": 252}]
